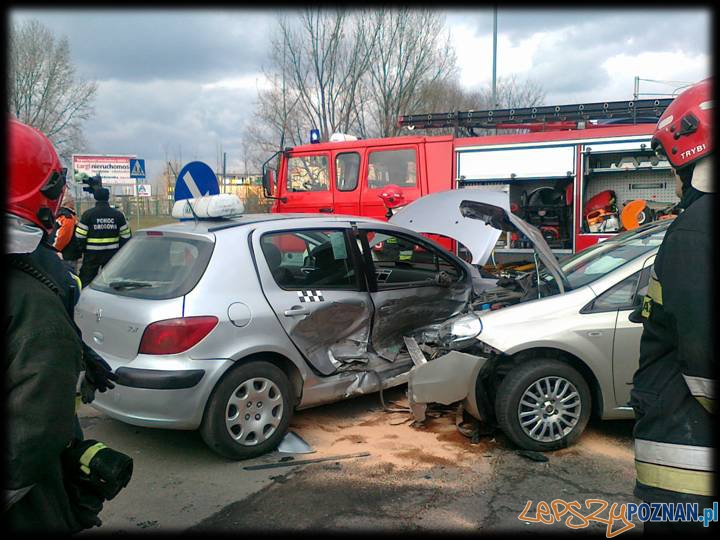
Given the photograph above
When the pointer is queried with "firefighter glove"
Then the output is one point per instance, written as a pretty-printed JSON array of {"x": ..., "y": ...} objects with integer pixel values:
[{"x": 98, "y": 375}]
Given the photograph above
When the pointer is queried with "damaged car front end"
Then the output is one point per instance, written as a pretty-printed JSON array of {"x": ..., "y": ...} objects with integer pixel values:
[{"x": 550, "y": 344}]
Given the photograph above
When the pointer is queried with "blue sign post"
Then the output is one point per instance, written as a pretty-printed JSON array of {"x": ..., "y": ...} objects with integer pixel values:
[
  {"x": 137, "y": 171},
  {"x": 137, "y": 168},
  {"x": 194, "y": 180}
]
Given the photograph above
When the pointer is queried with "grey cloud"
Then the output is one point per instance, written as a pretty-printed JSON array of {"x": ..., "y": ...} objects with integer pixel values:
[
  {"x": 141, "y": 45},
  {"x": 142, "y": 120},
  {"x": 657, "y": 29}
]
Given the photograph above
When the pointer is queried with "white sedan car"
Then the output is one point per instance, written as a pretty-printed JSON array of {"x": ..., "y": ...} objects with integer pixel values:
[{"x": 554, "y": 344}]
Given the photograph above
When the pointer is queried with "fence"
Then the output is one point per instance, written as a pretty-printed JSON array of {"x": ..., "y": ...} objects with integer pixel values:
[{"x": 133, "y": 206}]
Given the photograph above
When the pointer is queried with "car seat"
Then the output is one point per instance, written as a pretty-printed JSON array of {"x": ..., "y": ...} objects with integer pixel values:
[
  {"x": 273, "y": 256},
  {"x": 328, "y": 269}
]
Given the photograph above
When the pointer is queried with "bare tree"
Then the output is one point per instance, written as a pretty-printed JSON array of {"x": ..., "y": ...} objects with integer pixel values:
[
  {"x": 408, "y": 54},
  {"x": 445, "y": 96},
  {"x": 358, "y": 71},
  {"x": 449, "y": 96},
  {"x": 322, "y": 59},
  {"x": 42, "y": 88},
  {"x": 514, "y": 93}
]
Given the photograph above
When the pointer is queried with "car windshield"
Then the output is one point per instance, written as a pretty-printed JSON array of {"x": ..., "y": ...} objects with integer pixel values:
[
  {"x": 596, "y": 261},
  {"x": 155, "y": 266}
]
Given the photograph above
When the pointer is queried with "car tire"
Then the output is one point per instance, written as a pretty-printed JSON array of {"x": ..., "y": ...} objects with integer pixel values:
[
  {"x": 249, "y": 412},
  {"x": 551, "y": 423}
]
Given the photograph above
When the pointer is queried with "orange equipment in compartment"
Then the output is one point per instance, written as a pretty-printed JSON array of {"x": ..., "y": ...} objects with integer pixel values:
[
  {"x": 640, "y": 211},
  {"x": 600, "y": 213},
  {"x": 605, "y": 200},
  {"x": 634, "y": 214}
]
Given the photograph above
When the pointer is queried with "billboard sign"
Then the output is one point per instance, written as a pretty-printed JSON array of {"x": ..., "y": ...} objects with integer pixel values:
[
  {"x": 114, "y": 170},
  {"x": 143, "y": 190}
]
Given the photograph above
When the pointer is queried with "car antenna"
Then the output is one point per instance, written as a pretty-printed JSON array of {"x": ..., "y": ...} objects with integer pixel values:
[{"x": 192, "y": 210}]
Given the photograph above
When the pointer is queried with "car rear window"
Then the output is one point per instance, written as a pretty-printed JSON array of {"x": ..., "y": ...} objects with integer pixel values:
[{"x": 155, "y": 267}]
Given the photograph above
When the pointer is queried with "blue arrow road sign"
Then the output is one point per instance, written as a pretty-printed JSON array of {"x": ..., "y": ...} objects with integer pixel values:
[
  {"x": 137, "y": 168},
  {"x": 195, "y": 180}
]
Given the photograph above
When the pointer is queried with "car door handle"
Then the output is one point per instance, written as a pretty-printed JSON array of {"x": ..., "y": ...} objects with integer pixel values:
[
  {"x": 297, "y": 310},
  {"x": 594, "y": 334},
  {"x": 326, "y": 210}
]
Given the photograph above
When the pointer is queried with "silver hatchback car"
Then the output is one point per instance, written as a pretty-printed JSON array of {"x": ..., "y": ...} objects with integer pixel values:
[{"x": 230, "y": 325}]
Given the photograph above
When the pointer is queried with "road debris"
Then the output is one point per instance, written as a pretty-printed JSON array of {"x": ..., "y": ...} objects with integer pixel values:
[
  {"x": 534, "y": 456},
  {"x": 293, "y": 443},
  {"x": 304, "y": 461}
]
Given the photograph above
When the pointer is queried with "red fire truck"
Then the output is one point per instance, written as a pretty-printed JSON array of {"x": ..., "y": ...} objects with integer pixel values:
[{"x": 571, "y": 173}]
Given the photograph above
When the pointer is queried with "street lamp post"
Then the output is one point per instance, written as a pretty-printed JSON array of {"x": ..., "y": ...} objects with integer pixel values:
[{"x": 494, "y": 64}]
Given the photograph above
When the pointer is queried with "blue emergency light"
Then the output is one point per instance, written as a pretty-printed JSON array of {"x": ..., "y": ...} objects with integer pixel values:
[{"x": 314, "y": 136}]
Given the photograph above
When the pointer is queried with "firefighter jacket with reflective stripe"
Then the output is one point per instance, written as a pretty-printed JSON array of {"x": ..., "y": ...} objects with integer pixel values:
[
  {"x": 42, "y": 362},
  {"x": 673, "y": 388},
  {"x": 102, "y": 230}
]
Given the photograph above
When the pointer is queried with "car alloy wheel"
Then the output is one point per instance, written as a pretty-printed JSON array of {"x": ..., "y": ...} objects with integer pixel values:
[
  {"x": 549, "y": 409},
  {"x": 543, "y": 404},
  {"x": 254, "y": 411},
  {"x": 249, "y": 411}
]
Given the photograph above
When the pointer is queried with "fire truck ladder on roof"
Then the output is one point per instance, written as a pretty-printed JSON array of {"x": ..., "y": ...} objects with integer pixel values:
[{"x": 544, "y": 118}]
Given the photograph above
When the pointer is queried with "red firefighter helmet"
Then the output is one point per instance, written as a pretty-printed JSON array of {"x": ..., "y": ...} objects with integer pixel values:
[
  {"x": 684, "y": 131},
  {"x": 392, "y": 196},
  {"x": 36, "y": 178}
]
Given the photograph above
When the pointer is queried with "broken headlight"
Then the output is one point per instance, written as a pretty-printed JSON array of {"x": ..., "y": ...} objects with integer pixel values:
[{"x": 460, "y": 331}]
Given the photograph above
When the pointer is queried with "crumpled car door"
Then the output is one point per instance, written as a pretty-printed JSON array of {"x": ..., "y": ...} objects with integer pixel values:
[
  {"x": 413, "y": 285},
  {"x": 312, "y": 282}
]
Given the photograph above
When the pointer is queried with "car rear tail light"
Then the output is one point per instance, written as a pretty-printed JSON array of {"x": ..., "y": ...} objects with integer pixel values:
[{"x": 174, "y": 336}]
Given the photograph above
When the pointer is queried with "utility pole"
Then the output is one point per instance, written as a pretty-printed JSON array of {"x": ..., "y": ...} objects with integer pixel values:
[
  {"x": 494, "y": 64},
  {"x": 224, "y": 168}
]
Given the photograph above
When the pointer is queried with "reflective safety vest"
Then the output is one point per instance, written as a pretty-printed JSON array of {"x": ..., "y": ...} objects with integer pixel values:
[
  {"x": 102, "y": 229},
  {"x": 673, "y": 389},
  {"x": 404, "y": 254}
]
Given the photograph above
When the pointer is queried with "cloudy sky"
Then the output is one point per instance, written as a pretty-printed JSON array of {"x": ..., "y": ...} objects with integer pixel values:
[{"x": 182, "y": 84}]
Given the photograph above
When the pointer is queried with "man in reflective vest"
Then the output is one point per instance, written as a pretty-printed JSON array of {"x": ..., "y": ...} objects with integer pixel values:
[
  {"x": 674, "y": 387},
  {"x": 101, "y": 232}
]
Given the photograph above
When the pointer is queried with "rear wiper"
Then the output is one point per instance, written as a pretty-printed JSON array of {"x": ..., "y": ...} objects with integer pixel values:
[{"x": 118, "y": 285}]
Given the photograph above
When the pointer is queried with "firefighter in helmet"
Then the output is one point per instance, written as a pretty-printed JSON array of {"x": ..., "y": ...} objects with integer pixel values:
[
  {"x": 44, "y": 351},
  {"x": 673, "y": 388}
]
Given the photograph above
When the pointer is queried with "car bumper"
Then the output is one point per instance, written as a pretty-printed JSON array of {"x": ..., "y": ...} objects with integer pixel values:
[
  {"x": 161, "y": 392},
  {"x": 448, "y": 379}
]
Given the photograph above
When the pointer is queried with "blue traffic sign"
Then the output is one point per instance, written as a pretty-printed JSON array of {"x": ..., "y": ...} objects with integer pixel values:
[
  {"x": 195, "y": 180},
  {"x": 137, "y": 168}
]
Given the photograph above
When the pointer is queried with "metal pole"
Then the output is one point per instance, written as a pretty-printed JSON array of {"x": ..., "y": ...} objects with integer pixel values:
[
  {"x": 494, "y": 75},
  {"x": 637, "y": 88},
  {"x": 137, "y": 202},
  {"x": 224, "y": 168}
]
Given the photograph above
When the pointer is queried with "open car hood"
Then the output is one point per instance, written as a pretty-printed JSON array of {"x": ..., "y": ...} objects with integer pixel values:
[
  {"x": 447, "y": 213},
  {"x": 439, "y": 213},
  {"x": 502, "y": 219}
]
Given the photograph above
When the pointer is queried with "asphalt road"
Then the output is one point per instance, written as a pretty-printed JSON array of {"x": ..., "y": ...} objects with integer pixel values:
[{"x": 415, "y": 479}]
